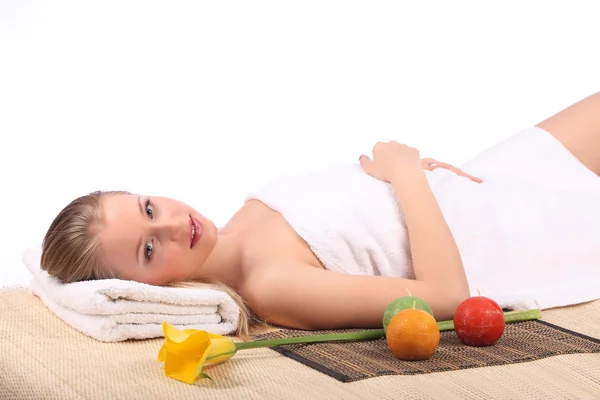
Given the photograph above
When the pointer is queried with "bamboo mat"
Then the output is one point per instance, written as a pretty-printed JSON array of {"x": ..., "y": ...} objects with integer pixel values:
[
  {"x": 43, "y": 358},
  {"x": 353, "y": 361}
]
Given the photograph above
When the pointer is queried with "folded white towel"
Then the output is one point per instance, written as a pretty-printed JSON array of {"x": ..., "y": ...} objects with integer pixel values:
[{"x": 113, "y": 310}]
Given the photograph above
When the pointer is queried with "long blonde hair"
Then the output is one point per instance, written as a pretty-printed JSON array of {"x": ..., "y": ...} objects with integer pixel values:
[{"x": 70, "y": 251}]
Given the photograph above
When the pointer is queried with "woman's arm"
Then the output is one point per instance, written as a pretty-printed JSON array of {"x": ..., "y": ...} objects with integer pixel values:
[
  {"x": 436, "y": 259},
  {"x": 305, "y": 297},
  {"x": 435, "y": 256}
]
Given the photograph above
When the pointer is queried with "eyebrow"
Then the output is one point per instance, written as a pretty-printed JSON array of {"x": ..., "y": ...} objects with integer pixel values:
[{"x": 139, "y": 243}]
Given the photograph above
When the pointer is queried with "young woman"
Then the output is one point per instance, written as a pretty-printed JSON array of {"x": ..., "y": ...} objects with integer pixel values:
[{"x": 332, "y": 248}]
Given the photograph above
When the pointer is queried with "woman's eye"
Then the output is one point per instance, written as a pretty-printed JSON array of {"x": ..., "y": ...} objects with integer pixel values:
[
  {"x": 148, "y": 250},
  {"x": 149, "y": 209}
]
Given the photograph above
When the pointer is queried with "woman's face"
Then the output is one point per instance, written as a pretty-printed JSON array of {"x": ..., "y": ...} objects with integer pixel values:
[{"x": 154, "y": 240}]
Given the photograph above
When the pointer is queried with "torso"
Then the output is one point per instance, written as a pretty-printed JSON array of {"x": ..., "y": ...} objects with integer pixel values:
[
  {"x": 271, "y": 245},
  {"x": 493, "y": 223},
  {"x": 335, "y": 227}
]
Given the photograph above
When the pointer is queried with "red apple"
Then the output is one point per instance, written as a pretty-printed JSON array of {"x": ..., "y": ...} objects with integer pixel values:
[{"x": 479, "y": 321}]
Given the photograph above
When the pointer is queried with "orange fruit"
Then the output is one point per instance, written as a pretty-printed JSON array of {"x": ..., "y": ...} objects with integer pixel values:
[{"x": 412, "y": 335}]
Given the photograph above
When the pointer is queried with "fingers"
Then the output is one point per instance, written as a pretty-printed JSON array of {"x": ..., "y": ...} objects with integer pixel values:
[
  {"x": 365, "y": 162},
  {"x": 460, "y": 172},
  {"x": 475, "y": 179},
  {"x": 430, "y": 164}
]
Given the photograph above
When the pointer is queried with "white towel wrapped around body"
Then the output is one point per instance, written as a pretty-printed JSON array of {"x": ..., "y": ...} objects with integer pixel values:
[
  {"x": 114, "y": 310},
  {"x": 529, "y": 235}
]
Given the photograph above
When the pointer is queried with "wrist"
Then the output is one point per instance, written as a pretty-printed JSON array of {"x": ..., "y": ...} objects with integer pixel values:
[{"x": 406, "y": 175}]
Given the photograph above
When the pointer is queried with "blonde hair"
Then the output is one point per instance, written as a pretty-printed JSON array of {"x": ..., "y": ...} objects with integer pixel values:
[{"x": 70, "y": 251}]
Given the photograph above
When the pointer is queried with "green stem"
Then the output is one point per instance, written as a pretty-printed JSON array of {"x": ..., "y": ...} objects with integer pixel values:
[
  {"x": 363, "y": 335},
  {"x": 509, "y": 316}
]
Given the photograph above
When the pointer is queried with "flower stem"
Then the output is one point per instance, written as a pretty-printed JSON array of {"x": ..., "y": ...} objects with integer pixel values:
[
  {"x": 363, "y": 335},
  {"x": 509, "y": 316}
]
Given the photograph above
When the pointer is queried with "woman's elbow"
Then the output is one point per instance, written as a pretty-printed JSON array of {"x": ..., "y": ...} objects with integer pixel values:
[{"x": 449, "y": 303}]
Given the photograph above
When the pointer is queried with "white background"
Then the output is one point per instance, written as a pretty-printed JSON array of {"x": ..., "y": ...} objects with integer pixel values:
[{"x": 204, "y": 101}]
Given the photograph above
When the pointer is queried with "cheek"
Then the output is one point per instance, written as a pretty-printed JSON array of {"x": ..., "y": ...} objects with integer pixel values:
[{"x": 176, "y": 262}]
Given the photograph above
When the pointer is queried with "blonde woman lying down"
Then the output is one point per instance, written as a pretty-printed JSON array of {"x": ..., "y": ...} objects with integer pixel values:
[{"x": 331, "y": 249}]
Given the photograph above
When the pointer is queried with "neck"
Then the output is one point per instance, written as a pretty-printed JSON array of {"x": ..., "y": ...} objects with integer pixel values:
[{"x": 224, "y": 263}]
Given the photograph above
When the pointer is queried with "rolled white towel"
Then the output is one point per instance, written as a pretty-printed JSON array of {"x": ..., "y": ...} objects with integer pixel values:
[{"x": 112, "y": 310}]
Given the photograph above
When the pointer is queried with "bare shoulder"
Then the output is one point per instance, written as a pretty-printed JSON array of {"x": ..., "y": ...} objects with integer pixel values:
[
  {"x": 269, "y": 240},
  {"x": 304, "y": 297}
]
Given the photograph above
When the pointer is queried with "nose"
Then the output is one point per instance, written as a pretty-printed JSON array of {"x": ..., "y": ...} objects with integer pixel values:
[{"x": 173, "y": 229}]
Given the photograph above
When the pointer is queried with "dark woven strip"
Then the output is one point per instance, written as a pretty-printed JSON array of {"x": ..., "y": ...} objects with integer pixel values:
[{"x": 357, "y": 360}]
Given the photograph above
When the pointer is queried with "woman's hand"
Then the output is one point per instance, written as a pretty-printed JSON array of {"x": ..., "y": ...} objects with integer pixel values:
[
  {"x": 390, "y": 160},
  {"x": 430, "y": 164}
]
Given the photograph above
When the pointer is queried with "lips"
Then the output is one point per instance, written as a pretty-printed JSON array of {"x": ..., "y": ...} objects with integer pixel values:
[{"x": 195, "y": 231}]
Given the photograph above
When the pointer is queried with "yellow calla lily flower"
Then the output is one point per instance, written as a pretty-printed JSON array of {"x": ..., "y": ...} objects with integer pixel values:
[{"x": 184, "y": 353}]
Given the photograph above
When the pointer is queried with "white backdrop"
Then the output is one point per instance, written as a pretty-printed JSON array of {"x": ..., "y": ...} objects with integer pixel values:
[{"x": 206, "y": 100}]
